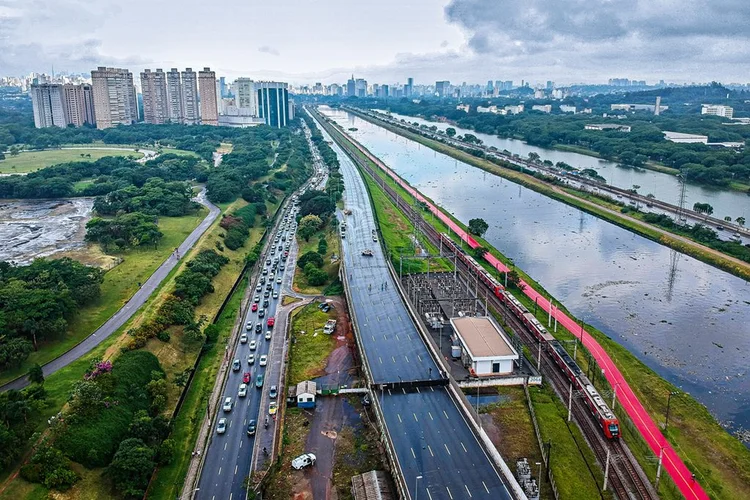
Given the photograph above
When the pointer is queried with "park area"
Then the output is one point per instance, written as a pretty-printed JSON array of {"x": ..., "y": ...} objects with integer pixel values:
[{"x": 29, "y": 161}]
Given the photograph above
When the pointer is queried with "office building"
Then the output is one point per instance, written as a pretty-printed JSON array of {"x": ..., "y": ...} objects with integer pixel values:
[
  {"x": 442, "y": 88},
  {"x": 360, "y": 87},
  {"x": 190, "y": 112},
  {"x": 715, "y": 110},
  {"x": 335, "y": 89},
  {"x": 47, "y": 102},
  {"x": 544, "y": 108},
  {"x": 155, "y": 101},
  {"x": 78, "y": 102},
  {"x": 273, "y": 103},
  {"x": 222, "y": 87},
  {"x": 115, "y": 100},
  {"x": 409, "y": 87},
  {"x": 208, "y": 99},
  {"x": 351, "y": 87},
  {"x": 174, "y": 96},
  {"x": 245, "y": 96}
]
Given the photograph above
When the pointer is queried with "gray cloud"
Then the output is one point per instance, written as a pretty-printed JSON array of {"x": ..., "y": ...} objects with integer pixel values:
[{"x": 268, "y": 50}]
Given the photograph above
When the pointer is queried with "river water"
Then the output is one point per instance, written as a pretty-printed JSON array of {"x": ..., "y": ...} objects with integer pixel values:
[
  {"x": 685, "y": 319},
  {"x": 663, "y": 186}
]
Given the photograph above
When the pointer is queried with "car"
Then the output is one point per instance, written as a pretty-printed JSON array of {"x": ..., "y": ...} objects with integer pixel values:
[
  {"x": 246, "y": 377},
  {"x": 256, "y": 299},
  {"x": 236, "y": 365},
  {"x": 258, "y": 288},
  {"x": 265, "y": 271},
  {"x": 267, "y": 293},
  {"x": 221, "y": 427},
  {"x": 268, "y": 262},
  {"x": 268, "y": 334},
  {"x": 259, "y": 381},
  {"x": 262, "y": 280},
  {"x": 261, "y": 313},
  {"x": 278, "y": 280},
  {"x": 273, "y": 392},
  {"x": 263, "y": 360},
  {"x": 303, "y": 461},
  {"x": 272, "y": 408},
  {"x": 251, "y": 425},
  {"x": 228, "y": 405},
  {"x": 242, "y": 392},
  {"x": 275, "y": 295},
  {"x": 270, "y": 322},
  {"x": 243, "y": 338},
  {"x": 250, "y": 359},
  {"x": 281, "y": 247},
  {"x": 258, "y": 328},
  {"x": 282, "y": 267},
  {"x": 366, "y": 253},
  {"x": 269, "y": 286},
  {"x": 249, "y": 325},
  {"x": 254, "y": 307},
  {"x": 253, "y": 345}
]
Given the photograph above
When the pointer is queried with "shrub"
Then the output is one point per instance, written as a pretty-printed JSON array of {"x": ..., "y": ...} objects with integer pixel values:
[
  {"x": 131, "y": 467},
  {"x": 310, "y": 258},
  {"x": 163, "y": 336},
  {"x": 49, "y": 467}
]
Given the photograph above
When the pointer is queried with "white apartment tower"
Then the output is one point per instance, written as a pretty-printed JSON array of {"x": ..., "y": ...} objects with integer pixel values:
[
  {"x": 190, "y": 114},
  {"x": 49, "y": 109},
  {"x": 155, "y": 102},
  {"x": 208, "y": 99},
  {"x": 174, "y": 96},
  {"x": 114, "y": 97},
  {"x": 245, "y": 96}
]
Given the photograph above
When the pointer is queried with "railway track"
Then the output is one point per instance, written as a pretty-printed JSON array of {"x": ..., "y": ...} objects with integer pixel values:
[{"x": 625, "y": 475}]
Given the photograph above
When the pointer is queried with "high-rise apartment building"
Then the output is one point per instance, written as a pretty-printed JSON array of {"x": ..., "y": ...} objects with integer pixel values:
[
  {"x": 245, "y": 96},
  {"x": 78, "y": 101},
  {"x": 441, "y": 88},
  {"x": 273, "y": 103},
  {"x": 208, "y": 99},
  {"x": 114, "y": 97},
  {"x": 47, "y": 102},
  {"x": 155, "y": 101},
  {"x": 174, "y": 96},
  {"x": 190, "y": 113}
]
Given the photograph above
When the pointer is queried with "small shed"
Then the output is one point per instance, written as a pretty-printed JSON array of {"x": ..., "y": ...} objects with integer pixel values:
[
  {"x": 306, "y": 394},
  {"x": 485, "y": 349}
]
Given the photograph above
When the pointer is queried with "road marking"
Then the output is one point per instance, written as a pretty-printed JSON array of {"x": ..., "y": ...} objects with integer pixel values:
[
  {"x": 430, "y": 414},
  {"x": 225, "y": 446},
  {"x": 219, "y": 474},
  {"x": 418, "y": 356},
  {"x": 431, "y": 453},
  {"x": 245, "y": 421},
  {"x": 230, "y": 424},
  {"x": 446, "y": 415},
  {"x": 407, "y": 358},
  {"x": 446, "y": 448},
  {"x": 415, "y": 416},
  {"x": 399, "y": 418},
  {"x": 428, "y": 493},
  {"x": 464, "y": 447},
  {"x": 235, "y": 469},
  {"x": 412, "y": 453},
  {"x": 418, "y": 390},
  {"x": 393, "y": 358},
  {"x": 380, "y": 359},
  {"x": 485, "y": 487},
  {"x": 467, "y": 490},
  {"x": 241, "y": 442},
  {"x": 449, "y": 492}
]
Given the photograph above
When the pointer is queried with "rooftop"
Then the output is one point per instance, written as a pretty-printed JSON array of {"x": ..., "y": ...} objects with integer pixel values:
[{"x": 482, "y": 338}]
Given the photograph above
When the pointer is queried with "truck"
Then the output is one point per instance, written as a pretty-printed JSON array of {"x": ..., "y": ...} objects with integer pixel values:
[{"x": 329, "y": 327}]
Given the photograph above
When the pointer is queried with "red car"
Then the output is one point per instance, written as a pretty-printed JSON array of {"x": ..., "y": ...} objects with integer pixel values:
[
  {"x": 246, "y": 377},
  {"x": 270, "y": 322},
  {"x": 255, "y": 307}
]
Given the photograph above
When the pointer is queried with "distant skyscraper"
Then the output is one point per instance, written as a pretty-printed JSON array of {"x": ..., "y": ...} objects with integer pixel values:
[
  {"x": 114, "y": 97},
  {"x": 174, "y": 96},
  {"x": 508, "y": 85},
  {"x": 47, "y": 102},
  {"x": 155, "y": 101},
  {"x": 273, "y": 103},
  {"x": 208, "y": 99},
  {"x": 409, "y": 87},
  {"x": 351, "y": 87},
  {"x": 360, "y": 87},
  {"x": 190, "y": 114},
  {"x": 441, "y": 88},
  {"x": 78, "y": 101},
  {"x": 222, "y": 87}
]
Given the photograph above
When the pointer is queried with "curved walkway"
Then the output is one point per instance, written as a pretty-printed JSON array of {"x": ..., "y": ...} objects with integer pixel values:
[
  {"x": 678, "y": 471},
  {"x": 131, "y": 306}
]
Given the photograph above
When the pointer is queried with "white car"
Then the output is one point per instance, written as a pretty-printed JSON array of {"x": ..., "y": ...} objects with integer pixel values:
[
  {"x": 263, "y": 360},
  {"x": 253, "y": 345},
  {"x": 243, "y": 338},
  {"x": 268, "y": 335},
  {"x": 250, "y": 359},
  {"x": 243, "y": 391},
  {"x": 221, "y": 427},
  {"x": 303, "y": 461},
  {"x": 278, "y": 280},
  {"x": 228, "y": 404},
  {"x": 275, "y": 295}
]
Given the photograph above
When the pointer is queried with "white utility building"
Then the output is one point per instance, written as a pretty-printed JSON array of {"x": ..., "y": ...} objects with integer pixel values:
[{"x": 485, "y": 349}]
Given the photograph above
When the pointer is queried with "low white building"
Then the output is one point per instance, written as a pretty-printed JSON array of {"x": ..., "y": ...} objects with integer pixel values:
[
  {"x": 608, "y": 126},
  {"x": 716, "y": 110},
  {"x": 486, "y": 109},
  {"x": 485, "y": 349},
  {"x": 463, "y": 107},
  {"x": 544, "y": 108},
  {"x": 567, "y": 109},
  {"x": 685, "y": 138}
]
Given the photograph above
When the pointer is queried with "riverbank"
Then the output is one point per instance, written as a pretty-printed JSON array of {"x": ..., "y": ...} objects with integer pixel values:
[
  {"x": 682, "y": 244},
  {"x": 721, "y": 463}
]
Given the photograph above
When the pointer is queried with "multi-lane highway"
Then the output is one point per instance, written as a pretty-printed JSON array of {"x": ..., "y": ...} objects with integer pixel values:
[{"x": 438, "y": 454}]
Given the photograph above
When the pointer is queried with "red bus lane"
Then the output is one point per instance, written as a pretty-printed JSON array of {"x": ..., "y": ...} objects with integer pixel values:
[{"x": 672, "y": 463}]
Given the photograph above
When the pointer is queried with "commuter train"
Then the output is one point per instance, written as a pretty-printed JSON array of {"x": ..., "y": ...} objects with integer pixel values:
[{"x": 595, "y": 403}]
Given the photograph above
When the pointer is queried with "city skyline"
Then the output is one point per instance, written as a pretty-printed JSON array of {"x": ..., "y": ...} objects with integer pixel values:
[{"x": 456, "y": 40}]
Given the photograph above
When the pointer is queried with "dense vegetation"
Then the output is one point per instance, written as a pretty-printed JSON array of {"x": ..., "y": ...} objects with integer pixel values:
[
  {"x": 156, "y": 197},
  {"x": 700, "y": 163},
  {"x": 126, "y": 230},
  {"x": 37, "y": 302},
  {"x": 16, "y": 411}
]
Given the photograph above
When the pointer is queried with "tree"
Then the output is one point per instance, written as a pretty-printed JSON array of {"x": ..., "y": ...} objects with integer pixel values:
[
  {"x": 131, "y": 467},
  {"x": 478, "y": 227},
  {"x": 740, "y": 221},
  {"x": 450, "y": 132},
  {"x": 36, "y": 375},
  {"x": 308, "y": 225},
  {"x": 310, "y": 258},
  {"x": 728, "y": 218},
  {"x": 703, "y": 208},
  {"x": 479, "y": 252},
  {"x": 534, "y": 157},
  {"x": 515, "y": 280}
]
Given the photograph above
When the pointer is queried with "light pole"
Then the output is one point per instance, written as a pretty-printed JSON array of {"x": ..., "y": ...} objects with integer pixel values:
[
  {"x": 539, "y": 482},
  {"x": 416, "y": 491},
  {"x": 669, "y": 400}
]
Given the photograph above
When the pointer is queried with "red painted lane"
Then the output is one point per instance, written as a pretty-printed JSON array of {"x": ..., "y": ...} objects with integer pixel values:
[{"x": 672, "y": 463}]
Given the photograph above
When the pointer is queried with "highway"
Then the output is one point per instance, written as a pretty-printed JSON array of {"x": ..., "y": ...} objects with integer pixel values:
[
  {"x": 438, "y": 454},
  {"x": 131, "y": 306}
]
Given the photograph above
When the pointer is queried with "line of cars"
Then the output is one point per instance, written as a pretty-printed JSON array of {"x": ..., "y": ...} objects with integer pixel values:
[{"x": 267, "y": 289}]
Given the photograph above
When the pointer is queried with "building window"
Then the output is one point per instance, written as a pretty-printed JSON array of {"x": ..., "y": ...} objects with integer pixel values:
[{"x": 495, "y": 367}]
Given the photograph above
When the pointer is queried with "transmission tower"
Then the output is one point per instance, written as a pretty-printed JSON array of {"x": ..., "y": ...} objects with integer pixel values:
[{"x": 683, "y": 197}]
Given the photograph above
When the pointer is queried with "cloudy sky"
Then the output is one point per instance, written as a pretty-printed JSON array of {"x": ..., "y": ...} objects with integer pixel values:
[{"x": 386, "y": 40}]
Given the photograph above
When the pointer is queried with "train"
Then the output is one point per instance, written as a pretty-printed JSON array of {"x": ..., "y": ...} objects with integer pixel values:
[{"x": 598, "y": 408}]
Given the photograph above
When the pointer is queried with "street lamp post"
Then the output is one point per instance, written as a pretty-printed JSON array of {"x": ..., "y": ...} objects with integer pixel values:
[
  {"x": 669, "y": 400},
  {"x": 416, "y": 490},
  {"x": 539, "y": 464}
]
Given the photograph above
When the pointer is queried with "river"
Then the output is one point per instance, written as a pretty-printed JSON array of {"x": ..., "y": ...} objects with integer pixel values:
[
  {"x": 688, "y": 321},
  {"x": 664, "y": 187}
]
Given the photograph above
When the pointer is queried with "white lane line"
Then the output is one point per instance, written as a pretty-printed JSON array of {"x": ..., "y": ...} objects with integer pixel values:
[
  {"x": 429, "y": 448},
  {"x": 219, "y": 474},
  {"x": 235, "y": 469},
  {"x": 415, "y": 416},
  {"x": 446, "y": 448},
  {"x": 373, "y": 337},
  {"x": 430, "y": 414},
  {"x": 428, "y": 493},
  {"x": 464, "y": 447},
  {"x": 449, "y": 492},
  {"x": 241, "y": 440},
  {"x": 446, "y": 415},
  {"x": 380, "y": 359},
  {"x": 419, "y": 357},
  {"x": 485, "y": 487},
  {"x": 393, "y": 358},
  {"x": 418, "y": 390},
  {"x": 399, "y": 418},
  {"x": 407, "y": 358},
  {"x": 467, "y": 490},
  {"x": 225, "y": 445},
  {"x": 412, "y": 453}
]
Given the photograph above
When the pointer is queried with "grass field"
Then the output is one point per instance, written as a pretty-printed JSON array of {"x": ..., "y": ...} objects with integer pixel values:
[
  {"x": 311, "y": 347},
  {"x": 29, "y": 161},
  {"x": 182, "y": 152},
  {"x": 120, "y": 283}
]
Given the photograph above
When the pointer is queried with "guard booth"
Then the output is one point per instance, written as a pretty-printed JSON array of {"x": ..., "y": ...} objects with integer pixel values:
[{"x": 305, "y": 394}]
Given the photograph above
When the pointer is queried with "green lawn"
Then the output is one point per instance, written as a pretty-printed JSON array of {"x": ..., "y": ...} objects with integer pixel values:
[
  {"x": 182, "y": 152},
  {"x": 120, "y": 283},
  {"x": 29, "y": 161},
  {"x": 309, "y": 350}
]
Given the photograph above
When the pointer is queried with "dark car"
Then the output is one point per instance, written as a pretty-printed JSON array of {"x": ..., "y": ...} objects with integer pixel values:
[
  {"x": 259, "y": 381},
  {"x": 251, "y": 425},
  {"x": 236, "y": 365}
]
